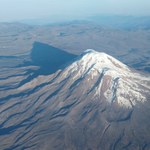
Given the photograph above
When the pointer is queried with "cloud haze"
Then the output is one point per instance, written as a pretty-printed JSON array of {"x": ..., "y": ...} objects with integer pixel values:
[{"x": 11, "y": 10}]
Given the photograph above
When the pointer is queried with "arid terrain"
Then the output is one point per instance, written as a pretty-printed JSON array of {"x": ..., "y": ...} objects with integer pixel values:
[
  {"x": 129, "y": 46},
  {"x": 57, "y": 93}
]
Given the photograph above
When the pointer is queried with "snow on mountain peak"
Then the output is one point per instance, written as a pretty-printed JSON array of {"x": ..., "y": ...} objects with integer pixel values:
[
  {"x": 104, "y": 77},
  {"x": 112, "y": 78},
  {"x": 93, "y": 60}
]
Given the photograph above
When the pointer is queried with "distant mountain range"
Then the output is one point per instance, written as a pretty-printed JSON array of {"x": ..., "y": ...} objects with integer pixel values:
[
  {"x": 107, "y": 21},
  {"x": 122, "y": 22},
  {"x": 89, "y": 102}
]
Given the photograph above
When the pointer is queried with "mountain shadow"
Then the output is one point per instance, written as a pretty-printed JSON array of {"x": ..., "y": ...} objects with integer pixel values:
[{"x": 49, "y": 58}]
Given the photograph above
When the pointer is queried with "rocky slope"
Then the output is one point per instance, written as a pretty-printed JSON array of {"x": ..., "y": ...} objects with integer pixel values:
[{"x": 93, "y": 103}]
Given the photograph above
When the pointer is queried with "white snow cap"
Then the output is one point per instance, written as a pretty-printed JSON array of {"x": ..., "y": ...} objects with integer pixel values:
[
  {"x": 95, "y": 63},
  {"x": 101, "y": 60}
]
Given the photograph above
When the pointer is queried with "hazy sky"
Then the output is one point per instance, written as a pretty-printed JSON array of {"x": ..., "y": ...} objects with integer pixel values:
[{"x": 12, "y": 10}]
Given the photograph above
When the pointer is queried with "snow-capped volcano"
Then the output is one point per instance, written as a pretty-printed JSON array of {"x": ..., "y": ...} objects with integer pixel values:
[
  {"x": 94, "y": 103},
  {"x": 108, "y": 78}
]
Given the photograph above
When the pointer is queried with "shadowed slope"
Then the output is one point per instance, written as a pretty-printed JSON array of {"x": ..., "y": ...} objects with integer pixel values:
[
  {"x": 46, "y": 60},
  {"x": 49, "y": 58}
]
